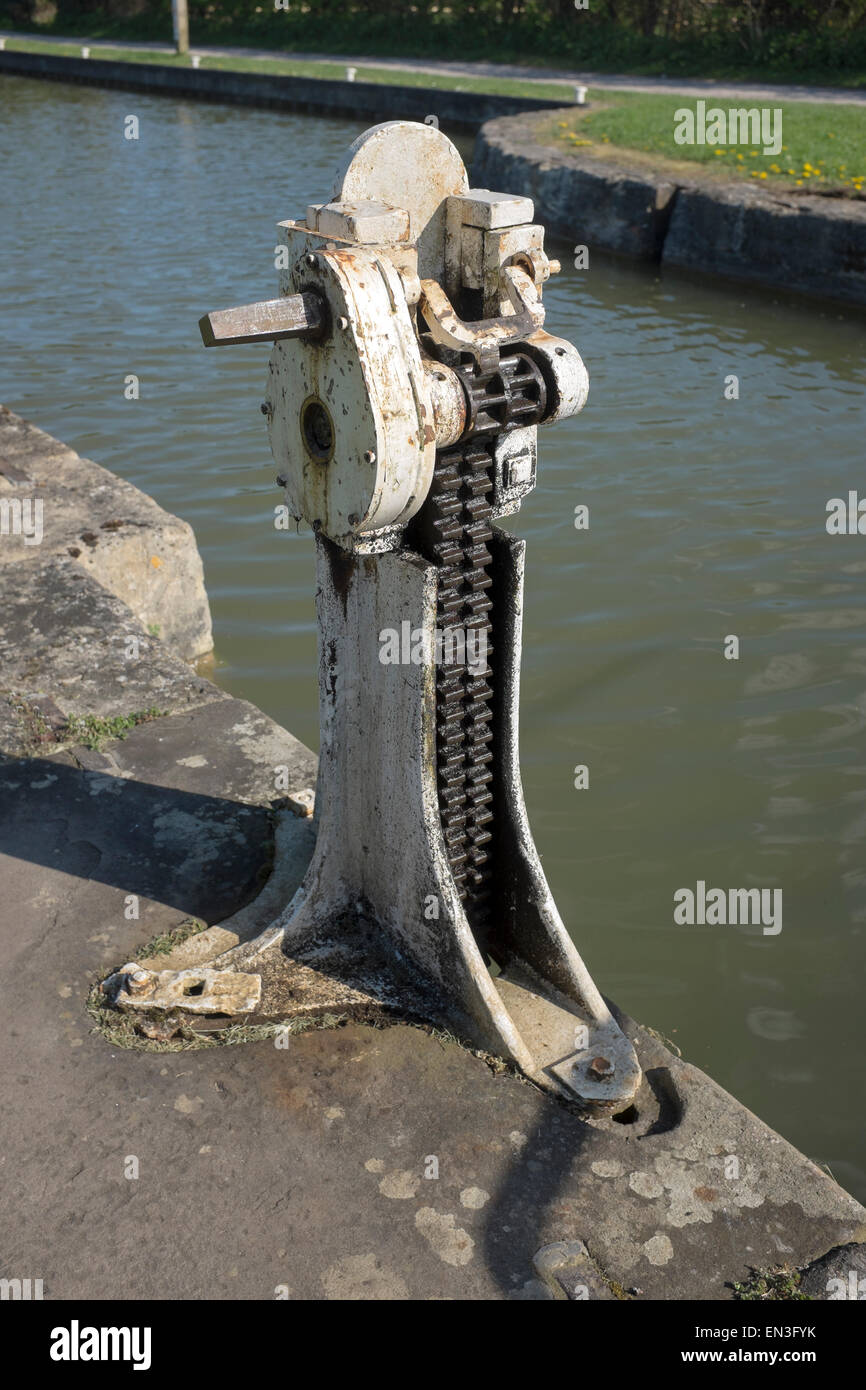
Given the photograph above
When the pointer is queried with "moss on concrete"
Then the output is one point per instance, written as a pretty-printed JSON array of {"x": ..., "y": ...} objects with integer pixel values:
[{"x": 771, "y": 1285}]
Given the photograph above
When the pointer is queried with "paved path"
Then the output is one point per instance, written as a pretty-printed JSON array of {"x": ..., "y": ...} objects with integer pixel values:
[{"x": 704, "y": 86}]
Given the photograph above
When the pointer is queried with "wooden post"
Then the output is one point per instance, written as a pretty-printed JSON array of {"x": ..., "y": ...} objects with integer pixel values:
[{"x": 180, "y": 24}]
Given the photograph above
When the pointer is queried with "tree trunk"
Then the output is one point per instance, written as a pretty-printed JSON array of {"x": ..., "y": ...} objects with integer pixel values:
[{"x": 180, "y": 21}]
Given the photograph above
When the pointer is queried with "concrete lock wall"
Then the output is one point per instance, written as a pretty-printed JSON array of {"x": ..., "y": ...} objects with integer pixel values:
[{"x": 809, "y": 243}]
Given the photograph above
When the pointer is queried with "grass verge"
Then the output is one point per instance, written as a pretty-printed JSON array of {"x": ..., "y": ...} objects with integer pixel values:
[{"x": 823, "y": 144}]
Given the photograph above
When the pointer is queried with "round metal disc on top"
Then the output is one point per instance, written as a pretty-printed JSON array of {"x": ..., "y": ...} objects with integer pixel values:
[{"x": 405, "y": 164}]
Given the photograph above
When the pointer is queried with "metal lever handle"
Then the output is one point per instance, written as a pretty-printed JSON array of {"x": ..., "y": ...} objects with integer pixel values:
[
  {"x": 295, "y": 316},
  {"x": 485, "y": 338}
]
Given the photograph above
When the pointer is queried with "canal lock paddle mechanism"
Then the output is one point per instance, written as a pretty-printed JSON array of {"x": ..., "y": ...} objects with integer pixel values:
[{"x": 409, "y": 375}]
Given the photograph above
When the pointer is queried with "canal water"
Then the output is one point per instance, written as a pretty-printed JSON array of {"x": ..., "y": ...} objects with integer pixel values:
[{"x": 706, "y": 520}]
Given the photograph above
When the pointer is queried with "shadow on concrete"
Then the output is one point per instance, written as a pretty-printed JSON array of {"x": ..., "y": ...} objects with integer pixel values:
[
  {"x": 66, "y": 828},
  {"x": 204, "y": 855},
  {"x": 528, "y": 1210},
  {"x": 543, "y": 1197}
]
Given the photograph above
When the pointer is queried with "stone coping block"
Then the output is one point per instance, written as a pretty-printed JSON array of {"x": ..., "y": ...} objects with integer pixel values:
[
  {"x": 70, "y": 649},
  {"x": 134, "y": 549}
]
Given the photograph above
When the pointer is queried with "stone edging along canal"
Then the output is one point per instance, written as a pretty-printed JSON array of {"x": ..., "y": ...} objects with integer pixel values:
[
  {"x": 809, "y": 243},
  {"x": 367, "y": 100}
]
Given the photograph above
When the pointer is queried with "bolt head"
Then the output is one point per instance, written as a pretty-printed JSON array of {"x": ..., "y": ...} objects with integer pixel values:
[
  {"x": 137, "y": 981},
  {"x": 601, "y": 1068}
]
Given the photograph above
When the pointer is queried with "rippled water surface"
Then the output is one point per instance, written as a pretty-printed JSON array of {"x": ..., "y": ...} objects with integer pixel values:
[{"x": 706, "y": 519}]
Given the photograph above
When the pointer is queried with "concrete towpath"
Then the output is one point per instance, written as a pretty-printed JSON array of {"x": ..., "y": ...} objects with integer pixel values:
[{"x": 696, "y": 87}]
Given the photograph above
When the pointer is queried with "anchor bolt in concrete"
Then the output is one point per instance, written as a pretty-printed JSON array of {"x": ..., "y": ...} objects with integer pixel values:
[{"x": 601, "y": 1068}]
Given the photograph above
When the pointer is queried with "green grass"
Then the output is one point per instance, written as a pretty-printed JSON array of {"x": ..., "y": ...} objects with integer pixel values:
[
  {"x": 168, "y": 941},
  {"x": 94, "y": 731},
  {"x": 823, "y": 143},
  {"x": 771, "y": 1286}
]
